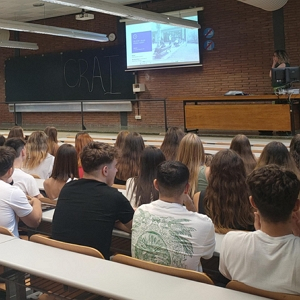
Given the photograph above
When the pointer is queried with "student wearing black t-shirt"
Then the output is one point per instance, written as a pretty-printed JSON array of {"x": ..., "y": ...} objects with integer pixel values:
[{"x": 88, "y": 208}]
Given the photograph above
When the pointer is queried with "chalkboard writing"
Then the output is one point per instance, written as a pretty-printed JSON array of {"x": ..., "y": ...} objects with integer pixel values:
[{"x": 94, "y": 74}]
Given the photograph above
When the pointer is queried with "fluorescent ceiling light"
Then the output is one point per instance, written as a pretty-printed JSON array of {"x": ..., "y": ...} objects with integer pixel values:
[
  {"x": 51, "y": 30},
  {"x": 19, "y": 45},
  {"x": 126, "y": 12}
]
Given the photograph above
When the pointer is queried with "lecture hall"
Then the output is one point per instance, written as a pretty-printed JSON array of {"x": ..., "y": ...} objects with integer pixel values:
[{"x": 149, "y": 149}]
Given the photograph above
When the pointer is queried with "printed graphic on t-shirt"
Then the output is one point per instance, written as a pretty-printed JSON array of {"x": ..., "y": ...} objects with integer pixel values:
[{"x": 162, "y": 240}]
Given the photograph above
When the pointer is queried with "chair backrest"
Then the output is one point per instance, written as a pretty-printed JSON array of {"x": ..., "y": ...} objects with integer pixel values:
[
  {"x": 4, "y": 230},
  {"x": 239, "y": 286},
  {"x": 178, "y": 272},
  {"x": 119, "y": 186},
  {"x": 46, "y": 240}
]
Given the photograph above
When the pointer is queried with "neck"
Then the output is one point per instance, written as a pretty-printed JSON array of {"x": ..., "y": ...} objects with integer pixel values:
[
  {"x": 93, "y": 177},
  {"x": 178, "y": 200},
  {"x": 276, "y": 229},
  {"x": 18, "y": 163}
]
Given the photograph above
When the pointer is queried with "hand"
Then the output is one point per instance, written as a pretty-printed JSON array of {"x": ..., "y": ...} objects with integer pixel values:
[
  {"x": 189, "y": 203},
  {"x": 34, "y": 200}
]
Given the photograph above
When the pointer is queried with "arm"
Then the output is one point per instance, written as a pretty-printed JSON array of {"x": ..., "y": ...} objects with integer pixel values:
[
  {"x": 196, "y": 200},
  {"x": 125, "y": 227},
  {"x": 34, "y": 218}
]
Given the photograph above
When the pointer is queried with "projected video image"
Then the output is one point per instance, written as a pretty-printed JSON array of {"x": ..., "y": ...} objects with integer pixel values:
[{"x": 153, "y": 44}]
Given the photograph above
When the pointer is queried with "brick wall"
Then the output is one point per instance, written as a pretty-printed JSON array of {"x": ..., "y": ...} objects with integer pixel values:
[{"x": 241, "y": 60}]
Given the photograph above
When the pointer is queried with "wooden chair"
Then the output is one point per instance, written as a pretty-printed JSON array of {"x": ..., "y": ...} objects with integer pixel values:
[
  {"x": 119, "y": 186},
  {"x": 4, "y": 230},
  {"x": 46, "y": 240},
  {"x": 239, "y": 286},
  {"x": 54, "y": 289},
  {"x": 178, "y": 272}
]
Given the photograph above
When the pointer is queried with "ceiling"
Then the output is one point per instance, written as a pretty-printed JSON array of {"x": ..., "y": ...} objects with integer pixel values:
[{"x": 24, "y": 10}]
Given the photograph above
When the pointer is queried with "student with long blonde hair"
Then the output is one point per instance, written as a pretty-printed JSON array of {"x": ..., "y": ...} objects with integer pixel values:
[
  {"x": 191, "y": 153},
  {"x": 38, "y": 160}
]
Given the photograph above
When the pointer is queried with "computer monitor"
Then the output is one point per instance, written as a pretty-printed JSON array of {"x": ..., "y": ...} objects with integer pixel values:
[
  {"x": 292, "y": 74},
  {"x": 284, "y": 77}
]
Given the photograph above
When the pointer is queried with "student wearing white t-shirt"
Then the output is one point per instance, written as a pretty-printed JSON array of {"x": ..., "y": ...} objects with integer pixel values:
[
  {"x": 167, "y": 232},
  {"x": 38, "y": 160},
  {"x": 268, "y": 258},
  {"x": 13, "y": 202},
  {"x": 24, "y": 181}
]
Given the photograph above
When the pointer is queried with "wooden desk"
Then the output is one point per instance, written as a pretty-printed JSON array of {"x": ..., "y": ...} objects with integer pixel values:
[
  {"x": 106, "y": 278},
  {"x": 241, "y": 112}
]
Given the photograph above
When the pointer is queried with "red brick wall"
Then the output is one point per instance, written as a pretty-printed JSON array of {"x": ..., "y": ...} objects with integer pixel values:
[{"x": 241, "y": 60}]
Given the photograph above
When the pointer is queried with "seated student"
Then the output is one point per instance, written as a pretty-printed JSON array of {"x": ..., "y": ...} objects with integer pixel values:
[
  {"x": 13, "y": 202},
  {"x": 65, "y": 168},
  {"x": 24, "y": 181},
  {"x": 87, "y": 209},
  {"x": 16, "y": 131},
  {"x": 52, "y": 140},
  {"x": 267, "y": 258},
  {"x": 140, "y": 190},
  {"x": 38, "y": 160},
  {"x": 165, "y": 231}
]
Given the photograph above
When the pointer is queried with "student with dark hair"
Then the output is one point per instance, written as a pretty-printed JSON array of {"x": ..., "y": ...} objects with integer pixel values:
[
  {"x": 65, "y": 168},
  {"x": 87, "y": 209},
  {"x": 16, "y": 132},
  {"x": 268, "y": 258},
  {"x": 295, "y": 150},
  {"x": 278, "y": 154},
  {"x": 225, "y": 199},
  {"x": 128, "y": 163},
  {"x": 140, "y": 190},
  {"x": 241, "y": 145},
  {"x": 52, "y": 139},
  {"x": 13, "y": 202},
  {"x": 2, "y": 140},
  {"x": 24, "y": 181},
  {"x": 171, "y": 142},
  {"x": 165, "y": 231}
]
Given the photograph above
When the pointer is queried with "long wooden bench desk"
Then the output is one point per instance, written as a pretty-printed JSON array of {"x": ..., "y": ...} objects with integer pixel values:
[
  {"x": 106, "y": 278},
  {"x": 241, "y": 112}
]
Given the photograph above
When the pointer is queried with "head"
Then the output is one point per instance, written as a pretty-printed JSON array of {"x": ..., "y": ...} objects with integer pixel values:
[
  {"x": 36, "y": 148},
  {"x": 191, "y": 153},
  {"x": 7, "y": 157},
  {"x": 281, "y": 56},
  {"x": 51, "y": 133},
  {"x": 241, "y": 145},
  {"x": 17, "y": 144},
  {"x": 65, "y": 163},
  {"x": 120, "y": 140},
  {"x": 144, "y": 190},
  {"x": 16, "y": 131},
  {"x": 274, "y": 191},
  {"x": 82, "y": 138},
  {"x": 171, "y": 142},
  {"x": 2, "y": 140},
  {"x": 128, "y": 164},
  {"x": 226, "y": 198},
  {"x": 295, "y": 149},
  {"x": 278, "y": 154},
  {"x": 99, "y": 157},
  {"x": 172, "y": 179}
]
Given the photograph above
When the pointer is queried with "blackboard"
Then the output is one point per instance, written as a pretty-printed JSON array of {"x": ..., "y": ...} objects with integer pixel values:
[{"x": 94, "y": 74}]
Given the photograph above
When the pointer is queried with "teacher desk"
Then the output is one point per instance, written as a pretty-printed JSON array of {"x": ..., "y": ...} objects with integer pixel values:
[{"x": 255, "y": 112}]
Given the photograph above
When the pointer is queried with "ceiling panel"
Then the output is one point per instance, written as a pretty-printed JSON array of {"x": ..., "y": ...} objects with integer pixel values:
[{"x": 24, "y": 10}]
